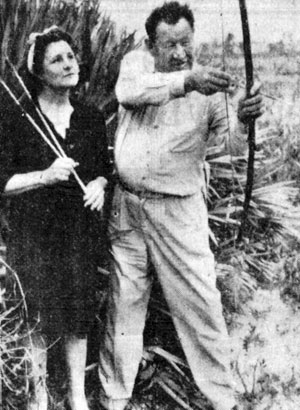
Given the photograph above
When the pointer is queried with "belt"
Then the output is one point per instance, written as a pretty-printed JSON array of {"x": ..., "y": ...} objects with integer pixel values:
[{"x": 142, "y": 193}]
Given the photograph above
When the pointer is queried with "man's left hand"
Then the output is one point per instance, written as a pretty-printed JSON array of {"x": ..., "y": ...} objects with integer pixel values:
[{"x": 250, "y": 108}]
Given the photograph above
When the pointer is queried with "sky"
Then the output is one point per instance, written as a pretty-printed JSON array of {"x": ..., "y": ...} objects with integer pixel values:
[{"x": 270, "y": 20}]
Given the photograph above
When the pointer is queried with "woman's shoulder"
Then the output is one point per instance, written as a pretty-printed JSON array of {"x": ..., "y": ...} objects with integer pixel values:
[
  {"x": 88, "y": 118},
  {"x": 12, "y": 119},
  {"x": 84, "y": 110}
]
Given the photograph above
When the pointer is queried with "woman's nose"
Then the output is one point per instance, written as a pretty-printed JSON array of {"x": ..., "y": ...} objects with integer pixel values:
[{"x": 67, "y": 63}]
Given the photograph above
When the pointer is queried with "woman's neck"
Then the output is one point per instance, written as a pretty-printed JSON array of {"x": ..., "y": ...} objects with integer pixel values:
[
  {"x": 52, "y": 98},
  {"x": 57, "y": 107}
]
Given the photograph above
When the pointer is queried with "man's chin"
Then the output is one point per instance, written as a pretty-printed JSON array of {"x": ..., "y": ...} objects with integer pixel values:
[{"x": 174, "y": 67}]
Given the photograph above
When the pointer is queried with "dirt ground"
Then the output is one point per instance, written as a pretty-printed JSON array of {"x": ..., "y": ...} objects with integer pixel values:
[{"x": 266, "y": 352}]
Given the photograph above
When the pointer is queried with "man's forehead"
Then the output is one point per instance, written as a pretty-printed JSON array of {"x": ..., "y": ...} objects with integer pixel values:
[{"x": 181, "y": 28}]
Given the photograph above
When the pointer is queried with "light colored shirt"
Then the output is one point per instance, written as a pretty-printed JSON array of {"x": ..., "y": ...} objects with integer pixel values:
[{"x": 162, "y": 131}]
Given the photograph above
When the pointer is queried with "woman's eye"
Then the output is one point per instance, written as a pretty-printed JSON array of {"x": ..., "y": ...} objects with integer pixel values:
[{"x": 56, "y": 60}]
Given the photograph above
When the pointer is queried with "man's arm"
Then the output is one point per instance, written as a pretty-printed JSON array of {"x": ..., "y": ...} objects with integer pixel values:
[{"x": 138, "y": 83}]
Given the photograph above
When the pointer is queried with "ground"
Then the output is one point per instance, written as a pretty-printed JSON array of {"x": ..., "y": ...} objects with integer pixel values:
[
  {"x": 266, "y": 352},
  {"x": 265, "y": 357}
]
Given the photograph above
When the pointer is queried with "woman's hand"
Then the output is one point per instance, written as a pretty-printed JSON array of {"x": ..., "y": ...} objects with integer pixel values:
[
  {"x": 58, "y": 171},
  {"x": 94, "y": 194}
]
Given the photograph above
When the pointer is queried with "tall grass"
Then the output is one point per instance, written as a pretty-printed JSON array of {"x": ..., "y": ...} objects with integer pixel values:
[{"x": 100, "y": 49}]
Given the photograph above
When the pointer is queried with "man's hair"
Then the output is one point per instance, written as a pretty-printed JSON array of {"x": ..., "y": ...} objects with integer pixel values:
[{"x": 170, "y": 13}]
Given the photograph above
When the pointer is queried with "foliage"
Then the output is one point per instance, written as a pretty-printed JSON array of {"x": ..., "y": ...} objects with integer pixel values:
[
  {"x": 14, "y": 356},
  {"x": 100, "y": 49},
  {"x": 272, "y": 218}
]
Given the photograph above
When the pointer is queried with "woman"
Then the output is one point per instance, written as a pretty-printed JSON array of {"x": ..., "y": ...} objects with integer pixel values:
[{"x": 54, "y": 229}]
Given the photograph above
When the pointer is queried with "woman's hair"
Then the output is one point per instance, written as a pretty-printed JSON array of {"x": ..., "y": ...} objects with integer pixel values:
[{"x": 33, "y": 65}]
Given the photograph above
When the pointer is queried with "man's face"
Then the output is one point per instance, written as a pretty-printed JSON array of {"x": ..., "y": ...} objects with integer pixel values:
[{"x": 173, "y": 46}]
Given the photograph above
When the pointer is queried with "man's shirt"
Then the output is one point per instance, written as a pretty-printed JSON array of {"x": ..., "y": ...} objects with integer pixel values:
[{"x": 163, "y": 132}]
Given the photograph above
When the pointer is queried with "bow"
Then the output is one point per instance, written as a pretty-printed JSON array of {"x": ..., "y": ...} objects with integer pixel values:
[{"x": 251, "y": 129}]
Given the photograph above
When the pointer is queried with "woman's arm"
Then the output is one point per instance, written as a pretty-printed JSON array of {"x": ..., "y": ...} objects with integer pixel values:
[
  {"x": 20, "y": 183},
  {"x": 58, "y": 171}
]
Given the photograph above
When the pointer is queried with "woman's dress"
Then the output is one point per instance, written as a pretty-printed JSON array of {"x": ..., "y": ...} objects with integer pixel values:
[{"x": 54, "y": 242}]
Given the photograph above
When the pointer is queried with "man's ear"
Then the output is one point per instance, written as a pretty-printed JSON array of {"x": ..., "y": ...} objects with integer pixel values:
[{"x": 150, "y": 46}]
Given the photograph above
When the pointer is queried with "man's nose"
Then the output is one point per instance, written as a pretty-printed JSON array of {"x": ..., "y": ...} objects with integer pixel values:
[{"x": 179, "y": 51}]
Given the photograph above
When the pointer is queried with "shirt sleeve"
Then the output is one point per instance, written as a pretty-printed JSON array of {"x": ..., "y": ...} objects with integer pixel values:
[
  {"x": 138, "y": 83},
  {"x": 224, "y": 126}
]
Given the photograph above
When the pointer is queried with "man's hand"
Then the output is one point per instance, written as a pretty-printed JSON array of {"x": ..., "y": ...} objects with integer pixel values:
[
  {"x": 207, "y": 81},
  {"x": 252, "y": 107},
  {"x": 94, "y": 194}
]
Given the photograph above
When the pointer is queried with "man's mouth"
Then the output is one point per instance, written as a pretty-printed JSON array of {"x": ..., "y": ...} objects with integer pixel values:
[{"x": 180, "y": 65}]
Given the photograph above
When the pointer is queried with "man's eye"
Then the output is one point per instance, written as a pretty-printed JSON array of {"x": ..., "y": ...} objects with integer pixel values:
[{"x": 171, "y": 45}]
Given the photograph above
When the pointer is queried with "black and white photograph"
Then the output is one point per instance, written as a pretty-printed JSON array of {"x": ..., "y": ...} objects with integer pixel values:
[{"x": 149, "y": 204}]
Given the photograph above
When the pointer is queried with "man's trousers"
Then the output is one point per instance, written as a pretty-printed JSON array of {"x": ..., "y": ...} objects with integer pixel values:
[{"x": 172, "y": 232}]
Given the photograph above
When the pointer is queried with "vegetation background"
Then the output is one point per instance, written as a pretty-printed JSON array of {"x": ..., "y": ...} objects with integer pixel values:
[{"x": 258, "y": 278}]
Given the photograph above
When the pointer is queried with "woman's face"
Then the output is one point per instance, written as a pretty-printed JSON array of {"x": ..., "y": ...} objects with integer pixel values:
[{"x": 60, "y": 67}]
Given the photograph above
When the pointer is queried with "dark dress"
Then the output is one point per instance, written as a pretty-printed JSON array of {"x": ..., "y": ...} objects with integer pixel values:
[{"x": 54, "y": 242}]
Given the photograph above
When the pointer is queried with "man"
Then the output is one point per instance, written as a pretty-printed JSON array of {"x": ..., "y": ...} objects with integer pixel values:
[{"x": 167, "y": 115}]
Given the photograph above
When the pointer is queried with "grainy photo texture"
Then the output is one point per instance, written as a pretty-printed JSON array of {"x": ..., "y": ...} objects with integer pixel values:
[{"x": 150, "y": 205}]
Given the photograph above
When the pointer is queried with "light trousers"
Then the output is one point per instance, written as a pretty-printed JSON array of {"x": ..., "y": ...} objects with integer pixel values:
[{"x": 172, "y": 232}]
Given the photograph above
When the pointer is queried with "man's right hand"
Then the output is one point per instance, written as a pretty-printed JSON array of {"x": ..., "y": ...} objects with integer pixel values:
[{"x": 207, "y": 80}]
